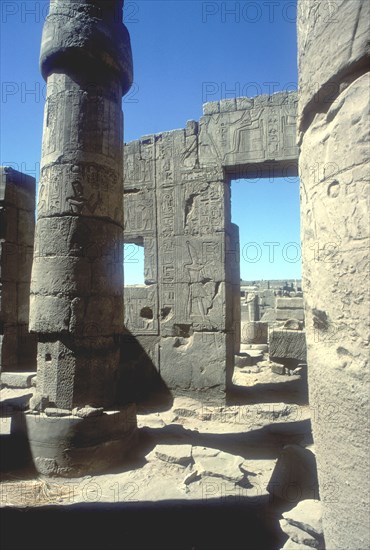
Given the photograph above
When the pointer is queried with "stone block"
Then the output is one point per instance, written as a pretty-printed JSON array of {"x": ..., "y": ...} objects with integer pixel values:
[
  {"x": 23, "y": 309},
  {"x": 277, "y": 368},
  {"x": 74, "y": 373},
  {"x": 299, "y": 536},
  {"x": 79, "y": 237},
  {"x": 8, "y": 302},
  {"x": 17, "y": 189},
  {"x": 307, "y": 515},
  {"x": 227, "y": 105},
  {"x": 289, "y": 303},
  {"x": 214, "y": 463},
  {"x": 25, "y": 257},
  {"x": 86, "y": 316},
  {"x": 8, "y": 348},
  {"x": 17, "y": 379},
  {"x": 211, "y": 108},
  {"x": 174, "y": 454},
  {"x": 9, "y": 223},
  {"x": 26, "y": 348},
  {"x": 49, "y": 314},
  {"x": 9, "y": 256},
  {"x": 285, "y": 314},
  {"x": 26, "y": 228},
  {"x": 198, "y": 363},
  {"x": 244, "y": 103},
  {"x": 287, "y": 344}
]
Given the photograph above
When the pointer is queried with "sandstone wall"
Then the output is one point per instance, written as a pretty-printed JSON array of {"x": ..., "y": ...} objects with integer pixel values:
[
  {"x": 177, "y": 204},
  {"x": 17, "y": 216}
]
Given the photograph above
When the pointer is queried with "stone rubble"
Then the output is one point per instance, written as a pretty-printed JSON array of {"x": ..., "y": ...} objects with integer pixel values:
[{"x": 303, "y": 525}]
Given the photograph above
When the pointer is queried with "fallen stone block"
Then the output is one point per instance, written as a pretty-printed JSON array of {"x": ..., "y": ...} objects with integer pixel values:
[
  {"x": 174, "y": 454},
  {"x": 277, "y": 368},
  {"x": 307, "y": 515},
  {"x": 57, "y": 412},
  {"x": 213, "y": 463},
  {"x": 299, "y": 536},
  {"x": 87, "y": 412},
  {"x": 17, "y": 379},
  {"x": 287, "y": 344}
]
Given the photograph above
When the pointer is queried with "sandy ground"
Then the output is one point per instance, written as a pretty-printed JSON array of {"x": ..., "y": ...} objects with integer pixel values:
[{"x": 229, "y": 451}]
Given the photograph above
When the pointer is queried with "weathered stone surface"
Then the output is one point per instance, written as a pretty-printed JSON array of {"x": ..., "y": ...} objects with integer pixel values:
[
  {"x": 177, "y": 205},
  {"x": 254, "y": 332},
  {"x": 334, "y": 160},
  {"x": 17, "y": 205},
  {"x": 277, "y": 368},
  {"x": 243, "y": 360},
  {"x": 289, "y": 303},
  {"x": 293, "y": 324},
  {"x": 197, "y": 362},
  {"x": 77, "y": 272},
  {"x": 87, "y": 412},
  {"x": 284, "y": 314},
  {"x": 291, "y": 545},
  {"x": 307, "y": 515},
  {"x": 298, "y": 535},
  {"x": 214, "y": 463},
  {"x": 73, "y": 372},
  {"x": 321, "y": 76},
  {"x": 56, "y": 412},
  {"x": 69, "y": 446},
  {"x": 17, "y": 379},
  {"x": 76, "y": 305},
  {"x": 287, "y": 344},
  {"x": 175, "y": 454}
]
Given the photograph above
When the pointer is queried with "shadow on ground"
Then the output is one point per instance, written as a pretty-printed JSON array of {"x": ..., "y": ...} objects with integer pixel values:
[{"x": 217, "y": 524}]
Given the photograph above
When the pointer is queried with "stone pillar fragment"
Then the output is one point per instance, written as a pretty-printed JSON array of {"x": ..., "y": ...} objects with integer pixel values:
[
  {"x": 77, "y": 274},
  {"x": 334, "y": 169}
]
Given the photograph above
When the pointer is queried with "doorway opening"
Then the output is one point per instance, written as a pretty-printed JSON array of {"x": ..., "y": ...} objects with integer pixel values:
[{"x": 267, "y": 212}]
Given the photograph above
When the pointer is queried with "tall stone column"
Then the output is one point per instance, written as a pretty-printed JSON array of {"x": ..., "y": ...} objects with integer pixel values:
[
  {"x": 334, "y": 169},
  {"x": 77, "y": 276}
]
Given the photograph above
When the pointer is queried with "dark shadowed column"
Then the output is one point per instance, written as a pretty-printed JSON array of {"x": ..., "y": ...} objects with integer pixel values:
[{"x": 77, "y": 276}]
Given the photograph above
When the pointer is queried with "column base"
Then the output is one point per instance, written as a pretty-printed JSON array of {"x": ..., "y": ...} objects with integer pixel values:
[{"x": 70, "y": 446}]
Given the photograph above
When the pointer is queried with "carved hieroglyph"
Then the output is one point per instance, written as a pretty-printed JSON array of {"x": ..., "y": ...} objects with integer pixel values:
[
  {"x": 177, "y": 204},
  {"x": 77, "y": 275}
]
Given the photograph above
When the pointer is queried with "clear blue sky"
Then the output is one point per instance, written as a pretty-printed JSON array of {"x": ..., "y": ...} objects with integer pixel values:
[{"x": 185, "y": 53}]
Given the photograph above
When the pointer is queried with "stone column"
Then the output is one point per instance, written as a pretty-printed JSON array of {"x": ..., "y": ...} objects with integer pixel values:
[
  {"x": 77, "y": 275},
  {"x": 334, "y": 169}
]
